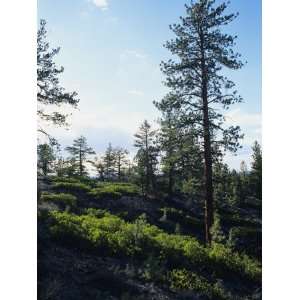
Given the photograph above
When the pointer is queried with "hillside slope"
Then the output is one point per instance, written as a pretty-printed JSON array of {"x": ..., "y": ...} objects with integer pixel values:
[{"x": 105, "y": 241}]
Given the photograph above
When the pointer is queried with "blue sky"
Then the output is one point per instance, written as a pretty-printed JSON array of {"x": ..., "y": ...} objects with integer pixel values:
[{"x": 111, "y": 50}]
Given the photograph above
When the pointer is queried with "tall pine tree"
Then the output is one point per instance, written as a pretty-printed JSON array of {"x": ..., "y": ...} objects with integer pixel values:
[{"x": 202, "y": 51}]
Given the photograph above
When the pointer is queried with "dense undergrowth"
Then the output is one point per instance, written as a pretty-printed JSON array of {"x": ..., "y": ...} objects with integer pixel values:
[
  {"x": 176, "y": 261},
  {"x": 114, "y": 236}
]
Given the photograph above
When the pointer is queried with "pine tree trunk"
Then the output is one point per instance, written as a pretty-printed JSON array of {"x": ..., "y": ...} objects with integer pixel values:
[
  {"x": 208, "y": 175},
  {"x": 207, "y": 149}
]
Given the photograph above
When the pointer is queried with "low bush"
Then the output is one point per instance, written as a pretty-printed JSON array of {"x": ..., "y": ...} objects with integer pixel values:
[
  {"x": 72, "y": 187},
  {"x": 65, "y": 199},
  {"x": 117, "y": 237},
  {"x": 246, "y": 239},
  {"x": 114, "y": 190},
  {"x": 223, "y": 256},
  {"x": 65, "y": 179},
  {"x": 99, "y": 193},
  {"x": 99, "y": 213},
  {"x": 85, "y": 180},
  {"x": 182, "y": 279}
]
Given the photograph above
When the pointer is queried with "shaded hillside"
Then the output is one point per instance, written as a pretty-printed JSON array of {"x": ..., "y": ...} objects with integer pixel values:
[{"x": 106, "y": 241}]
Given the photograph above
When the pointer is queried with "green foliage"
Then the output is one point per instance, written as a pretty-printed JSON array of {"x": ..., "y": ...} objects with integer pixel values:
[
  {"x": 105, "y": 194},
  {"x": 245, "y": 239},
  {"x": 217, "y": 234},
  {"x": 239, "y": 263},
  {"x": 232, "y": 218},
  {"x": 72, "y": 187},
  {"x": 178, "y": 216},
  {"x": 50, "y": 93},
  {"x": 99, "y": 213},
  {"x": 46, "y": 158},
  {"x": 191, "y": 187},
  {"x": 182, "y": 279},
  {"x": 232, "y": 238},
  {"x": 114, "y": 190},
  {"x": 65, "y": 199},
  {"x": 256, "y": 171},
  {"x": 146, "y": 157},
  {"x": 138, "y": 239},
  {"x": 59, "y": 179},
  {"x": 79, "y": 152}
]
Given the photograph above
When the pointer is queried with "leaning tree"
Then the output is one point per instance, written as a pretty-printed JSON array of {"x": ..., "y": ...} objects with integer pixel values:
[{"x": 202, "y": 91}]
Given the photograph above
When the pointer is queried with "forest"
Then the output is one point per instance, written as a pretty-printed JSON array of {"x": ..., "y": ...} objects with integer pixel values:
[{"x": 172, "y": 220}]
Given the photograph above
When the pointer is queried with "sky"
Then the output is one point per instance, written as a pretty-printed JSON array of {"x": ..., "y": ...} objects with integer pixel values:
[{"x": 111, "y": 51}]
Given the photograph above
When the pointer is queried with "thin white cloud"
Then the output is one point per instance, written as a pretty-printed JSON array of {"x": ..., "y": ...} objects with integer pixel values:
[
  {"x": 136, "y": 93},
  {"x": 102, "y": 4}
]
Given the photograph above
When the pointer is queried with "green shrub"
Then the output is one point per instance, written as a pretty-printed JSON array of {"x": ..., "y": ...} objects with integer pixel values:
[
  {"x": 99, "y": 213},
  {"x": 114, "y": 190},
  {"x": 195, "y": 252},
  {"x": 225, "y": 258},
  {"x": 245, "y": 239},
  {"x": 100, "y": 193},
  {"x": 75, "y": 187},
  {"x": 182, "y": 279},
  {"x": 216, "y": 231},
  {"x": 92, "y": 182},
  {"x": 138, "y": 239},
  {"x": 85, "y": 180},
  {"x": 65, "y": 199},
  {"x": 78, "y": 229},
  {"x": 65, "y": 179}
]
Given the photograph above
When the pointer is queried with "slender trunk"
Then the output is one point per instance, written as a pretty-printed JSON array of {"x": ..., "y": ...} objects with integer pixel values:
[
  {"x": 207, "y": 150},
  {"x": 80, "y": 163},
  {"x": 208, "y": 175}
]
